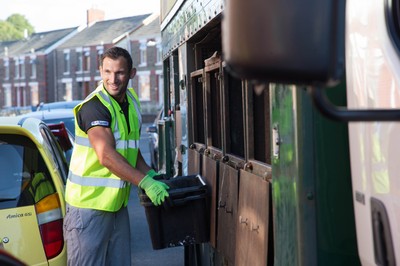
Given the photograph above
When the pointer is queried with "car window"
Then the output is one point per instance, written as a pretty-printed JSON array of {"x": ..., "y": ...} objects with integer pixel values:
[
  {"x": 11, "y": 167},
  {"x": 24, "y": 177},
  {"x": 57, "y": 153}
]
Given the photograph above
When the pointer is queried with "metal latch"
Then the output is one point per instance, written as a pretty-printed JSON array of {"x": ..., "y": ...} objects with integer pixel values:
[{"x": 276, "y": 141}]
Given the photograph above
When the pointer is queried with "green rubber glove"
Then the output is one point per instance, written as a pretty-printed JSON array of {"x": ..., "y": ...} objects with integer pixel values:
[
  {"x": 152, "y": 173},
  {"x": 155, "y": 190},
  {"x": 155, "y": 175}
]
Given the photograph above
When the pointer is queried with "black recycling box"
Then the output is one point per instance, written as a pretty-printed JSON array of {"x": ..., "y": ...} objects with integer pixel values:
[{"x": 183, "y": 218}]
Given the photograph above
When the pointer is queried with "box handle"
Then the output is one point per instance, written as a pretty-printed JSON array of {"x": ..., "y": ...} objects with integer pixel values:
[{"x": 168, "y": 203}]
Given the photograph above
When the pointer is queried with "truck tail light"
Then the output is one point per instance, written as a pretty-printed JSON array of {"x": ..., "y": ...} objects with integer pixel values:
[{"x": 51, "y": 225}]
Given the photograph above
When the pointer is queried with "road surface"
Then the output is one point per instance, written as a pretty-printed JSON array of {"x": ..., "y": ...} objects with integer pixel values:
[{"x": 142, "y": 251}]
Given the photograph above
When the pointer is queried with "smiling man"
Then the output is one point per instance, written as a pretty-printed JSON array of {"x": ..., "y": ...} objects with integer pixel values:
[{"x": 105, "y": 162}]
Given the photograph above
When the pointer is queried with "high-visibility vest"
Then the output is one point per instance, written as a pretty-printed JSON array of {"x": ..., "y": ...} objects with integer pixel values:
[
  {"x": 40, "y": 187},
  {"x": 89, "y": 184}
]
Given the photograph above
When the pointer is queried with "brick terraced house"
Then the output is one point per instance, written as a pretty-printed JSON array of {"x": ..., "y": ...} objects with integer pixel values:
[{"x": 63, "y": 65}]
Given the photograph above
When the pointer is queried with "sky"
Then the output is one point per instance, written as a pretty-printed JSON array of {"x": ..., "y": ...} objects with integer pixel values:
[{"x": 48, "y": 15}]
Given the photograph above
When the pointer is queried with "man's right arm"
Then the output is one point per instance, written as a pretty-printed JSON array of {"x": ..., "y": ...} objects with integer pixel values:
[{"x": 103, "y": 142}]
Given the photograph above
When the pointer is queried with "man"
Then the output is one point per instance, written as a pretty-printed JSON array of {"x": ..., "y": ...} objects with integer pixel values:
[{"x": 106, "y": 160}]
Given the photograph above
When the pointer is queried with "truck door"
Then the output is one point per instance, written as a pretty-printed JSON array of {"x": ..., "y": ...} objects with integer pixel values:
[{"x": 254, "y": 228}]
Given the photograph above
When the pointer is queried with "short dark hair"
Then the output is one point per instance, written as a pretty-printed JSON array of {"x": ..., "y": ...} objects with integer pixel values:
[{"x": 114, "y": 53}]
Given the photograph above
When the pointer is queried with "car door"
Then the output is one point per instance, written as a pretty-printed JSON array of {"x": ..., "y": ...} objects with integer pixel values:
[
  {"x": 19, "y": 232},
  {"x": 31, "y": 197}
]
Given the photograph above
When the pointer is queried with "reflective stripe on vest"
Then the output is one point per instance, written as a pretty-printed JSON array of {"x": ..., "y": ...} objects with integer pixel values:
[
  {"x": 120, "y": 144},
  {"x": 97, "y": 182}
]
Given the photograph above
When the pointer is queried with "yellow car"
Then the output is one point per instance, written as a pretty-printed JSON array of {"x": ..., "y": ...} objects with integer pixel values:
[{"x": 33, "y": 172}]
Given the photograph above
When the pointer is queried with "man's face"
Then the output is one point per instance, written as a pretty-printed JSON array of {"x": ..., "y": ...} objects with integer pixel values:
[{"x": 116, "y": 75}]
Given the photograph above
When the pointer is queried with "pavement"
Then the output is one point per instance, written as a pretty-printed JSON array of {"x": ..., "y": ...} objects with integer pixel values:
[{"x": 142, "y": 250}]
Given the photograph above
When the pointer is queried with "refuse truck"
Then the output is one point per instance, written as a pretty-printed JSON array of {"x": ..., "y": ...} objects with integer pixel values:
[{"x": 289, "y": 111}]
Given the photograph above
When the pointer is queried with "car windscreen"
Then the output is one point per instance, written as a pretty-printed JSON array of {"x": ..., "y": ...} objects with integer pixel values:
[{"x": 24, "y": 177}]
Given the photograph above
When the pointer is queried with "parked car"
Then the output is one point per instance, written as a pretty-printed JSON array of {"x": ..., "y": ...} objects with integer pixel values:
[
  {"x": 32, "y": 181},
  {"x": 57, "y": 105},
  {"x": 152, "y": 130},
  {"x": 55, "y": 117}
]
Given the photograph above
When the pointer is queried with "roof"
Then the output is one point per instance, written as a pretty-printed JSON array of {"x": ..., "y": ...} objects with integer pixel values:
[
  {"x": 4, "y": 45},
  {"x": 37, "y": 42},
  {"x": 151, "y": 28},
  {"x": 104, "y": 32}
]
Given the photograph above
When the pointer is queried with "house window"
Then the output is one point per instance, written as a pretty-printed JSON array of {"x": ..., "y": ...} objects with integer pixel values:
[
  {"x": 68, "y": 91},
  {"x": 20, "y": 92},
  {"x": 143, "y": 54},
  {"x": 7, "y": 97},
  {"x": 67, "y": 63},
  {"x": 99, "y": 55},
  {"x": 34, "y": 95},
  {"x": 159, "y": 55},
  {"x": 25, "y": 95},
  {"x": 86, "y": 89},
  {"x": 16, "y": 68},
  {"x": 6, "y": 70},
  {"x": 33, "y": 68},
  {"x": 79, "y": 65},
  {"x": 144, "y": 87},
  {"x": 86, "y": 60},
  {"x": 22, "y": 67}
]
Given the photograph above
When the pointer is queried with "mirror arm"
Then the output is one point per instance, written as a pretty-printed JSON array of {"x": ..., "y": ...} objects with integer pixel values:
[{"x": 346, "y": 115}]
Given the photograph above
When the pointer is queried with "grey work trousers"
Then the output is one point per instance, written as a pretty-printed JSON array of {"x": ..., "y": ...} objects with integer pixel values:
[{"x": 97, "y": 237}]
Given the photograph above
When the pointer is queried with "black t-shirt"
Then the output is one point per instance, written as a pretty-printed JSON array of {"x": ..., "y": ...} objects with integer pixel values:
[{"x": 94, "y": 113}]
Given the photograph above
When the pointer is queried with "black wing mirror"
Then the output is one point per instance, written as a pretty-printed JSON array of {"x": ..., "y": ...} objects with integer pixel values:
[{"x": 293, "y": 42}]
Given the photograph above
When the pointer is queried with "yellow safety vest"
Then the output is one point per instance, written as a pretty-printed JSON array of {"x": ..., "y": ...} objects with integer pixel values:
[
  {"x": 40, "y": 187},
  {"x": 89, "y": 184}
]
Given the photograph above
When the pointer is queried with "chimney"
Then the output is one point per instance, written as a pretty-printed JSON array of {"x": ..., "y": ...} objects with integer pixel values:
[{"x": 94, "y": 15}]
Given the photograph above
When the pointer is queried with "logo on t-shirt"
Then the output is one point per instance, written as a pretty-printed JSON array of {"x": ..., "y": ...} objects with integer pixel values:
[{"x": 99, "y": 123}]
